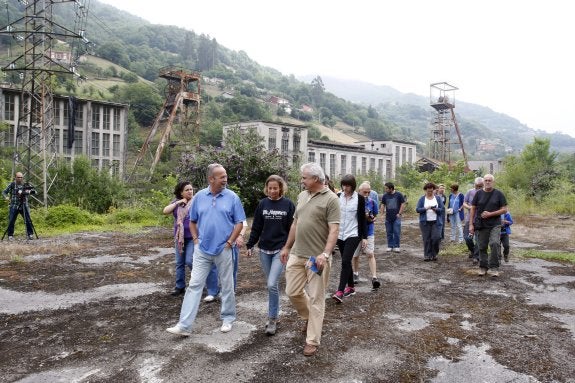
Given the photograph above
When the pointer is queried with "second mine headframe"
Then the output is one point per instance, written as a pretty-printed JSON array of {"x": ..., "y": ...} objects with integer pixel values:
[
  {"x": 444, "y": 124},
  {"x": 178, "y": 121}
]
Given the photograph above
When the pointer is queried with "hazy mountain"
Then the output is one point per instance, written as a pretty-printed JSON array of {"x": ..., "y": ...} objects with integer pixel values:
[{"x": 477, "y": 122}]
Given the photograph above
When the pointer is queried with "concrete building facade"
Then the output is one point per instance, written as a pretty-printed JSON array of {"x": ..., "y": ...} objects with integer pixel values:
[
  {"x": 379, "y": 157},
  {"x": 100, "y": 129}
]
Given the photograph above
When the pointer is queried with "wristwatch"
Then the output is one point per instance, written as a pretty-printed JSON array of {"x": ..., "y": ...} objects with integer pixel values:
[{"x": 326, "y": 256}]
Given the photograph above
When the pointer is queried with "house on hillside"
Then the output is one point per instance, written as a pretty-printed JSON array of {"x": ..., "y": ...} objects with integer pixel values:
[
  {"x": 426, "y": 164},
  {"x": 486, "y": 166},
  {"x": 100, "y": 129}
]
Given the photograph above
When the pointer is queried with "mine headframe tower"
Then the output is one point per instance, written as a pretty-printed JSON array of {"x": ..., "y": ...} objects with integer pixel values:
[
  {"x": 444, "y": 124},
  {"x": 34, "y": 36},
  {"x": 181, "y": 109}
]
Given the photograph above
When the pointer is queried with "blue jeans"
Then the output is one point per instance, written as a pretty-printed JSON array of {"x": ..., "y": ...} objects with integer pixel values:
[
  {"x": 13, "y": 214},
  {"x": 393, "y": 230},
  {"x": 273, "y": 268},
  {"x": 183, "y": 261},
  {"x": 203, "y": 265},
  {"x": 236, "y": 255},
  {"x": 456, "y": 228}
]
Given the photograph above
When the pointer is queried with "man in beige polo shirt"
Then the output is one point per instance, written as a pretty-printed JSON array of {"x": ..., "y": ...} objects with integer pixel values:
[{"x": 313, "y": 233}]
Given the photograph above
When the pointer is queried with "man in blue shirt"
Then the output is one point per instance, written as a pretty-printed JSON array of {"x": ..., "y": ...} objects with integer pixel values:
[{"x": 216, "y": 220}]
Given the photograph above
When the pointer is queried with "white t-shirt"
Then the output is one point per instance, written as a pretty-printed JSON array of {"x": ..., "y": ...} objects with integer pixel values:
[{"x": 431, "y": 215}]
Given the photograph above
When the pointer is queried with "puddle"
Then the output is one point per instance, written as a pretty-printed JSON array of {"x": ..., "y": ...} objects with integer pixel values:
[
  {"x": 226, "y": 342},
  {"x": 67, "y": 375},
  {"x": 415, "y": 323},
  {"x": 15, "y": 302},
  {"x": 475, "y": 366}
]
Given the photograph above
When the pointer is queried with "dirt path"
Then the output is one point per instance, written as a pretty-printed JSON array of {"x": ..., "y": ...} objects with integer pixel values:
[{"x": 93, "y": 308}]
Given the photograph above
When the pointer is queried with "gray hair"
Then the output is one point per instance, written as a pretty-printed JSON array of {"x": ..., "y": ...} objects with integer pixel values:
[
  {"x": 490, "y": 176},
  {"x": 212, "y": 168},
  {"x": 478, "y": 180},
  {"x": 314, "y": 170},
  {"x": 364, "y": 185}
]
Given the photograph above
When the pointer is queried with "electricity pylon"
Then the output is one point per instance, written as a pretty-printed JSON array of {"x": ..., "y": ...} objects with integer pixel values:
[{"x": 36, "y": 34}]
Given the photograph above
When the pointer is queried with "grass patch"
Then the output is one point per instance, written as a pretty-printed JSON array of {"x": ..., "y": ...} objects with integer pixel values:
[
  {"x": 547, "y": 255},
  {"x": 453, "y": 249}
]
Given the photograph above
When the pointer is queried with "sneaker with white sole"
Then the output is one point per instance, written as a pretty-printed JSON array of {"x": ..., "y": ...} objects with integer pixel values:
[
  {"x": 482, "y": 271},
  {"x": 349, "y": 291},
  {"x": 389, "y": 249},
  {"x": 209, "y": 298},
  {"x": 396, "y": 249},
  {"x": 271, "y": 327},
  {"x": 493, "y": 272},
  {"x": 226, "y": 327},
  {"x": 178, "y": 331}
]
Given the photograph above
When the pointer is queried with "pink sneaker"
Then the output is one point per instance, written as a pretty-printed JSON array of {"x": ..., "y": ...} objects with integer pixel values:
[
  {"x": 348, "y": 291},
  {"x": 338, "y": 297}
]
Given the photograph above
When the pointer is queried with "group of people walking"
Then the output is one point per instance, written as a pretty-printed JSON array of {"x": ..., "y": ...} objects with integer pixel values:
[
  {"x": 207, "y": 226},
  {"x": 481, "y": 219},
  {"x": 300, "y": 239}
]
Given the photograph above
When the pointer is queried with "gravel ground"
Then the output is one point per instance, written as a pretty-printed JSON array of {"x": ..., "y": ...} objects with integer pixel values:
[{"x": 93, "y": 307}]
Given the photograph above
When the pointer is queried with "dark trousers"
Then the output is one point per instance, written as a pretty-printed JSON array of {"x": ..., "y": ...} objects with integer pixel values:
[
  {"x": 347, "y": 249},
  {"x": 431, "y": 235},
  {"x": 471, "y": 242},
  {"x": 25, "y": 213},
  {"x": 505, "y": 244},
  {"x": 489, "y": 237}
]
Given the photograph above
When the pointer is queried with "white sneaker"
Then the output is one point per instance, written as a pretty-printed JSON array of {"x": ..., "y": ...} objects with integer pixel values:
[
  {"x": 178, "y": 331},
  {"x": 226, "y": 327},
  {"x": 396, "y": 249},
  {"x": 388, "y": 249},
  {"x": 10, "y": 237},
  {"x": 209, "y": 298}
]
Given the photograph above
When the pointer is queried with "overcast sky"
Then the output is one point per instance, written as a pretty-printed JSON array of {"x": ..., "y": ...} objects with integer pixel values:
[{"x": 513, "y": 56}]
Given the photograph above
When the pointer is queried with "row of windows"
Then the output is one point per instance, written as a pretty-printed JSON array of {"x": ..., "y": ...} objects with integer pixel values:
[
  {"x": 103, "y": 117},
  {"x": 272, "y": 143},
  {"x": 343, "y": 164}
]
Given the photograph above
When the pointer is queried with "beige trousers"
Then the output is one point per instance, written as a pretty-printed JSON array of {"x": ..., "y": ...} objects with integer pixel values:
[{"x": 309, "y": 302}]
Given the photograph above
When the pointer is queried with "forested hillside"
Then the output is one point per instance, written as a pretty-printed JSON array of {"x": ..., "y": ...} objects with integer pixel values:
[{"x": 126, "y": 53}]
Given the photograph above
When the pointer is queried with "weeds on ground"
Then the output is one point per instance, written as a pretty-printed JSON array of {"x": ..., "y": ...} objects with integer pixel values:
[{"x": 548, "y": 255}]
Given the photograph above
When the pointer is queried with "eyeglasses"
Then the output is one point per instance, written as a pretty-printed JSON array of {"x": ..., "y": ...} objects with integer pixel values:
[{"x": 19, "y": 177}]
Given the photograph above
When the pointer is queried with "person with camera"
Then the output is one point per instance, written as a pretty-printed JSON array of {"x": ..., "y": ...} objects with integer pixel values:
[{"x": 16, "y": 193}]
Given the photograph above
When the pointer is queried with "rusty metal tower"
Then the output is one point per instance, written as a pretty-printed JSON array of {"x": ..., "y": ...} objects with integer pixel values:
[
  {"x": 183, "y": 101},
  {"x": 444, "y": 124},
  {"x": 35, "y": 35}
]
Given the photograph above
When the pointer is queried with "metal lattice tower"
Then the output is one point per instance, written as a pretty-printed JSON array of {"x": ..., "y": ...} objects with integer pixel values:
[
  {"x": 183, "y": 101},
  {"x": 444, "y": 124},
  {"x": 36, "y": 34}
]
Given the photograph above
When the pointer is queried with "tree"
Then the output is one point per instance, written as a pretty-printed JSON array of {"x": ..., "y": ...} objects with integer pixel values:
[
  {"x": 533, "y": 171},
  {"x": 247, "y": 162},
  {"x": 317, "y": 92},
  {"x": 145, "y": 102}
]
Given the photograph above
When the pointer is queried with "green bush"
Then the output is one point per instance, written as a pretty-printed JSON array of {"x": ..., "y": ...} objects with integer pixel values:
[
  {"x": 65, "y": 215},
  {"x": 131, "y": 215}
]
